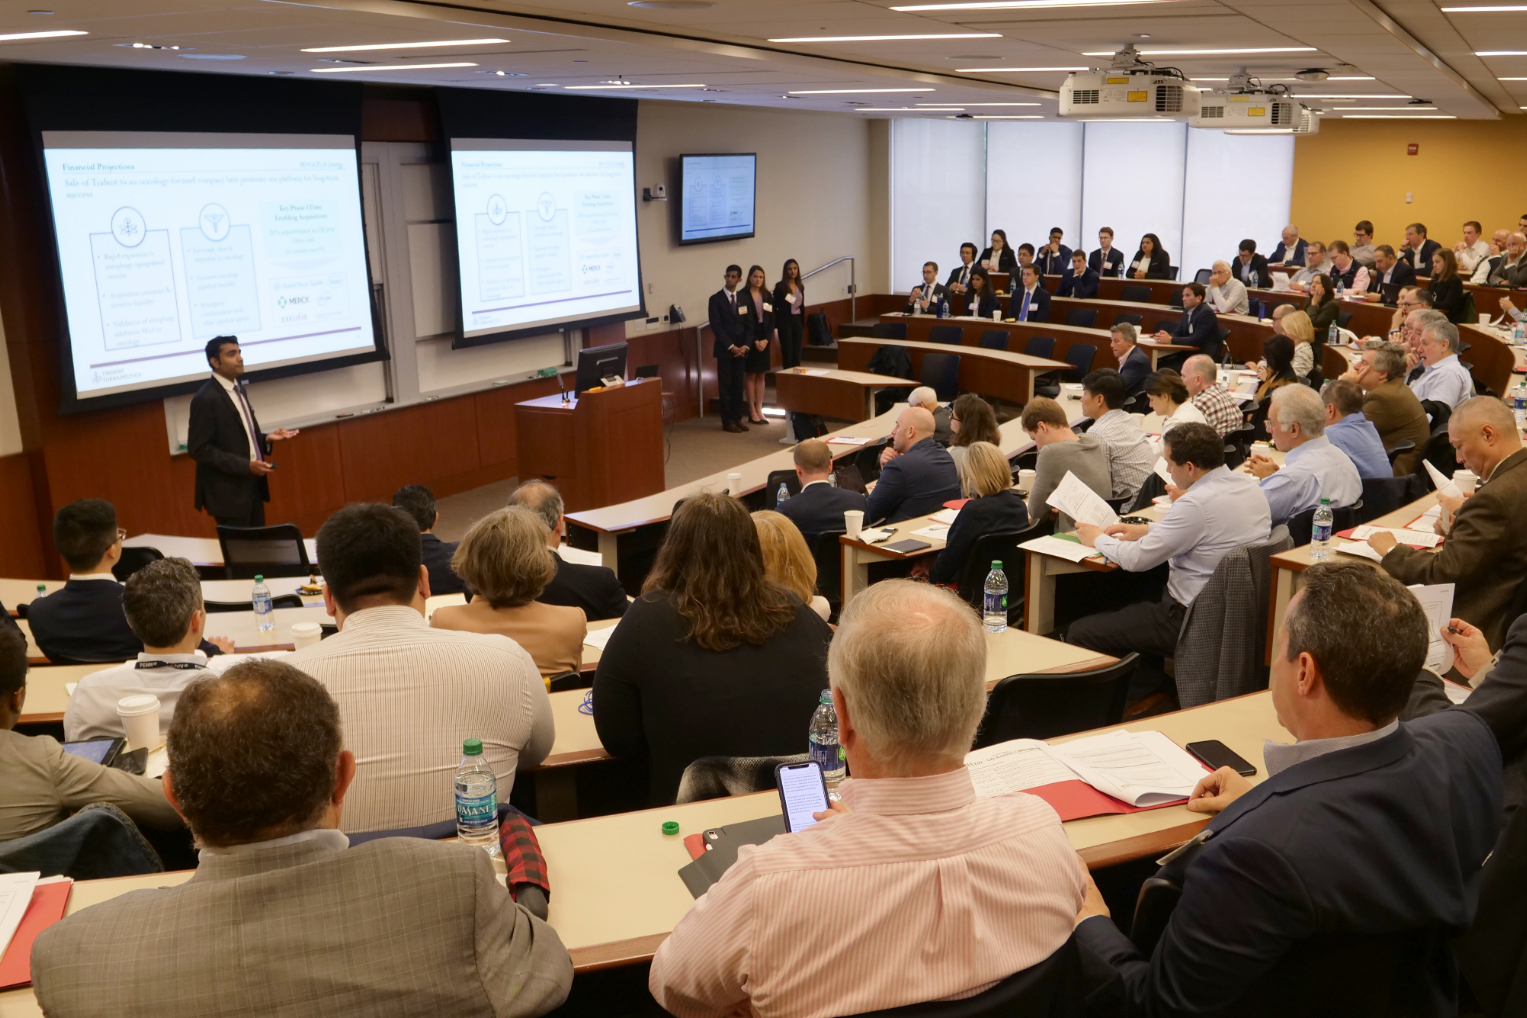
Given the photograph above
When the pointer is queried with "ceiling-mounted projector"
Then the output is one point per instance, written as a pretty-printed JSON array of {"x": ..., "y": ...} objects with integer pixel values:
[
  {"x": 1245, "y": 107},
  {"x": 1129, "y": 89}
]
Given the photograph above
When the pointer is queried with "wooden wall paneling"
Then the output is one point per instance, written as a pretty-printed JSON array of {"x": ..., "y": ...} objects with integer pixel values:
[
  {"x": 412, "y": 445},
  {"x": 21, "y": 547},
  {"x": 495, "y": 421},
  {"x": 399, "y": 120},
  {"x": 309, "y": 477}
]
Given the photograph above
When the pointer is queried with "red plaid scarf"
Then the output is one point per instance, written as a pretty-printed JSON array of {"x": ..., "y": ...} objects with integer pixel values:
[{"x": 522, "y": 853}]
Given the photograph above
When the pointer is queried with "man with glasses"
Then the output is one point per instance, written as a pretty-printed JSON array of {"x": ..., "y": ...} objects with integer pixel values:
[
  {"x": 1412, "y": 306},
  {"x": 1362, "y": 244}
]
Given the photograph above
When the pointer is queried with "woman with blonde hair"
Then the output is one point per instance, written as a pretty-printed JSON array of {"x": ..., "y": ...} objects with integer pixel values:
[
  {"x": 787, "y": 560},
  {"x": 994, "y": 506},
  {"x": 506, "y": 564},
  {"x": 1299, "y": 327}
]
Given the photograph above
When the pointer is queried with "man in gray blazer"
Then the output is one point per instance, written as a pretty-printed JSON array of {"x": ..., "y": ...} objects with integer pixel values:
[{"x": 282, "y": 916}]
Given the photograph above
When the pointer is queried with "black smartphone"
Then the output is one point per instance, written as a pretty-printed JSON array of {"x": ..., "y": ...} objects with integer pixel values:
[
  {"x": 802, "y": 792},
  {"x": 1216, "y": 754}
]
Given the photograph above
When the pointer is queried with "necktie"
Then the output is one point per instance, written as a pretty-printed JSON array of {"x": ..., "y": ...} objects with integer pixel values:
[
  {"x": 1023, "y": 313},
  {"x": 254, "y": 437},
  {"x": 927, "y": 292}
]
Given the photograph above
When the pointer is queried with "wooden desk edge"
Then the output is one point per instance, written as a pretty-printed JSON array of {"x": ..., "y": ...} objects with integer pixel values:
[
  {"x": 1140, "y": 846},
  {"x": 1092, "y": 663}
]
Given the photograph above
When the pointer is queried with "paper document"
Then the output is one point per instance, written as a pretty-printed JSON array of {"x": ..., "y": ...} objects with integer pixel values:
[
  {"x": 158, "y": 762},
  {"x": 1361, "y": 549},
  {"x": 1445, "y": 485},
  {"x": 1421, "y": 537},
  {"x": 933, "y": 532},
  {"x": 1140, "y": 768},
  {"x": 1437, "y": 601},
  {"x": 1081, "y": 503},
  {"x": 875, "y": 535},
  {"x": 846, "y": 440},
  {"x": 812, "y": 371},
  {"x": 1161, "y": 470},
  {"x": 1014, "y": 767},
  {"x": 945, "y": 516},
  {"x": 599, "y": 638},
  {"x": 15, "y": 896},
  {"x": 579, "y": 557},
  {"x": 69, "y": 688},
  {"x": 1071, "y": 551},
  {"x": 1455, "y": 693}
]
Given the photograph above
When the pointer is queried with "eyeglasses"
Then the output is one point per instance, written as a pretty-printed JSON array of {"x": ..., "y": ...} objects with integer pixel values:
[{"x": 121, "y": 535}]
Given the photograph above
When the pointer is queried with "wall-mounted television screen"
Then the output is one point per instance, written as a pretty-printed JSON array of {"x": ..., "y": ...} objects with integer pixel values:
[{"x": 718, "y": 194}]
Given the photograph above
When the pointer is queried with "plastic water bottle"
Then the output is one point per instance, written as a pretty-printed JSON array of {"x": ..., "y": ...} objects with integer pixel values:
[
  {"x": 1333, "y": 334},
  {"x": 476, "y": 799},
  {"x": 265, "y": 620},
  {"x": 784, "y": 493},
  {"x": 994, "y": 612},
  {"x": 1519, "y": 332},
  {"x": 823, "y": 739},
  {"x": 1320, "y": 533}
]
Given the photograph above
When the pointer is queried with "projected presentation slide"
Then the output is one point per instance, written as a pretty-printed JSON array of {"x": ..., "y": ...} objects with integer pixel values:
[
  {"x": 166, "y": 240},
  {"x": 545, "y": 233},
  {"x": 718, "y": 197}
]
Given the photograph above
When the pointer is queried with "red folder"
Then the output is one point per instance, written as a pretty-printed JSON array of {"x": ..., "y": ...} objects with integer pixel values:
[
  {"x": 1075, "y": 800},
  {"x": 956, "y": 503},
  {"x": 46, "y": 908},
  {"x": 694, "y": 845}
]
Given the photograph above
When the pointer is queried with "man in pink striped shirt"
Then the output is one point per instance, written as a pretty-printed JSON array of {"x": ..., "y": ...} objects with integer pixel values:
[{"x": 914, "y": 888}]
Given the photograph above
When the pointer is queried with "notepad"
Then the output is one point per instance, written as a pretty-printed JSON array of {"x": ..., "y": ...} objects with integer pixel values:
[
  {"x": 1361, "y": 549},
  {"x": 15, "y": 896},
  {"x": 1071, "y": 551},
  {"x": 46, "y": 905},
  {"x": 1437, "y": 601},
  {"x": 1081, "y": 503},
  {"x": 599, "y": 638},
  {"x": 846, "y": 440},
  {"x": 933, "y": 532},
  {"x": 1415, "y": 538},
  {"x": 945, "y": 516}
]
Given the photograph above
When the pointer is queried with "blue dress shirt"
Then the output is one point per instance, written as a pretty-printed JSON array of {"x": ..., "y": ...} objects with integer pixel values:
[
  {"x": 1315, "y": 470},
  {"x": 1356, "y": 436}
]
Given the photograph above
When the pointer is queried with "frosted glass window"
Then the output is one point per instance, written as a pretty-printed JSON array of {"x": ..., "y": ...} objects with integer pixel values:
[
  {"x": 1132, "y": 176},
  {"x": 938, "y": 188},
  {"x": 1034, "y": 181},
  {"x": 1237, "y": 186}
]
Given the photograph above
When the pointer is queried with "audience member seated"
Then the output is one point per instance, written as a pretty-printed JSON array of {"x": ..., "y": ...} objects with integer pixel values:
[
  {"x": 1322, "y": 307},
  {"x": 1025, "y": 259},
  {"x": 999, "y": 257},
  {"x": 1353, "y": 433},
  {"x": 1445, "y": 378},
  {"x": 925, "y": 299},
  {"x": 925, "y": 397},
  {"x": 1313, "y": 468},
  {"x": 1485, "y": 554},
  {"x": 1486, "y": 266},
  {"x": 43, "y": 784},
  {"x": 994, "y": 506},
  {"x": 1362, "y": 243},
  {"x": 1445, "y": 291},
  {"x": 820, "y": 505},
  {"x": 409, "y": 693},
  {"x": 917, "y": 475},
  {"x": 971, "y": 420},
  {"x": 1418, "y": 249},
  {"x": 1030, "y": 301},
  {"x": 163, "y": 605},
  {"x": 1131, "y": 457},
  {"x": 980, "y": 296},
  {"x": 1251, "y": 268},
  {"x": 1347, "y": 273},
  {"x": 1472, "y": 249},
  {"x": 712, "y": 659},
  {"x": 1054, "y": 258},
  {"x": 1388, "y": 271},
  {"x": 1278, "y": 367},
  {"x": 1169, "y": 400},
  {"x": 787, "y": 560},
  {"x": 1316, "y": 266},
  {"x": 419, "y": 502},
  {"x": 1296, "y": 325},
  {"x": 505, "y": 560},
  {"x": 1389, "y": 403},
  {"x": 1151, "y": 261},
  {"x": 595, "y": 589},
  {"x": 1337, "y": 884},
  {"x": 1511, "y": 271},
  {"x": 1213, "y": 511},
  {"x": 1078, "y": 280},
  {"x": 1197, "y": 328},
  {"x": 1411, "y": 316},
  {"x": 1107, "y": 260},
  {"x": 1227, "y": 295},
  {"x": 83, "y": 623},
  {"x": 1062, "y": 451},
  {"x": 935, "y": 892},
  {"x": 258, "y": 770},
  {"x": 1221, "y": 410},
  {"x": 1290, "y": 249},
  {"x": 959, "y": 277},
  {"x": 1134, "y": 363}
]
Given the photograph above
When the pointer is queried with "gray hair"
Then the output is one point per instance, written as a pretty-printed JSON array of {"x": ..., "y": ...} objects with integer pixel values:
[
  {"x": 160, "y": 599},
  {"x": 909, "y": 660},
  {"x": 1390, "y": 359},
  {"x": 540, "y": 498},
  {"x": 1443, "y": 330},
  {"x": 1427, "y": 317},
  {"x": 1301, "y": 405},
  {"x": 1201, "y": 365},
  {"x": 1221, "y": 266},
  {"x": 1126, "y": 330},
  {"x": 922, "y": 396}
]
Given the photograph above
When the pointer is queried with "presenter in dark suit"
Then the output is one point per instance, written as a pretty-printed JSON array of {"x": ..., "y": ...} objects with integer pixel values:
[
  {"x": 959, "y": 277},
  {"x": 1198, "y": 327},
  {"x": 224, "y": 438},
  {"x": 980, "y": 298},
  {"x": 1290, "y": 250},
  {"x": 819, "y": 507},
  {"x": 1107, "y": 260},
  {"x": 1078, "y": 280},
  {"x": 1335, "y": 885},
  {"x": 926, "y": 298},
  {"x": 732, "y": 335},
  {"x": 1031, "y": 303},
  {"x": 1055, "y": 257},
  {"x": 1418, "y": 250},
  {"x": 790, "y": 313},
  {"x": 1251, "y": 268}
]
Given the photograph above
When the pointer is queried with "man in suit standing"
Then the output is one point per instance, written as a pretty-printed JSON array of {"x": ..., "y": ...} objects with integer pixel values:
[
  {"x": 1107, "y": 260},
  {"x": 1197, "y": 328},
  {"x": 1290, "y": 250},
  {"x": 1055, "y": 257},
  {"x": 1250, "y": 267},
  {"x": 419, "y": 502},
  {"x": 259, "y": 772},
  {"x": 225, "y": 440},
  {"x": 1336, "y": 884},
  {"x": 1388, "y": 271},
  {"x": 1418, "y": 250},
  {"x": 1485, "y": 553},
  {"x": 595, "y": 589},
  {"x": 959, "y": 278},
  {"x": 1033, "y": 303},
  {"x": 925, "y": 299},
  {"x": 819, "y": 507},
  {"x": 917, "y": 475},
  {"x": 1078, "y": 280},
  {"x": 729, "y": 348}
]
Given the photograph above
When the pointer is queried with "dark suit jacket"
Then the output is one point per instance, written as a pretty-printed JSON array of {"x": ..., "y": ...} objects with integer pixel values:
[
  {"x": 1053, "y": 265},
  {"x": 1039, "y": 304},
  {"x": 1007, "y": 263},
  {"x": 437, "y": 558},
  {"x": 985, "y": 308},
  {"x": 1084, "y": 288},
  {"x": 917, "y": 482},
  {"x": 1485, "y": 553},
  {"x": 595, "y": 589},
  {"x": 84, "y": 624},
  {"x": 1253, "y": 274},
  {"x": 1428, "y": 248},
  {"x": 217, "y": 441},
  {"x": 1401, "y": 275},
  {"x": 1287, "y": 257},
  {"x": 1328, "y": 889},
  {"x": 957, "y": 271},
  {"x": 1160, "y": 267},
  {"x": 726, "y": 325},
  {"x": 1398, "y": 416},
  {"x": 1321, "y": 317},
  {"x": 1108, "y": 267},
  {"x": 819, "y": 508},
  {"x": 1136, "y": 369},
  {"x": 758, "y": 326},
  {"x": 1446, "y": 295},
  {"x": 938, "y": 296},
  {"x": 980, "y": 516},
  {"x": 1197, "y": 328}
]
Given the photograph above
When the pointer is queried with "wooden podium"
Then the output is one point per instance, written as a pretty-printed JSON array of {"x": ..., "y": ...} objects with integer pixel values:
[{"x": 603, "y": 448}]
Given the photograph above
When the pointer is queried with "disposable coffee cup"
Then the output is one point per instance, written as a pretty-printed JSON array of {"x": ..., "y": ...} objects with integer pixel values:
[
  {"x": 1484, "y": 319},
  {"x": 853, "y": 522},
  {"x": 1026, "y": 480},
  {"x": 996, "y": 315},
  {"x": 734, "y": 485},
  {"x": 1466, "y": 481},
  {"x": 140, "y": 717},
  {"x": 305, "y": 634}
]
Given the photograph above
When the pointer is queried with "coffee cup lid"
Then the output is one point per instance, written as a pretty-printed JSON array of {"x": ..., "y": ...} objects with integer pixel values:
[
  {"x": 306, "y": 629},
  {"x": 139, "y": 703}
]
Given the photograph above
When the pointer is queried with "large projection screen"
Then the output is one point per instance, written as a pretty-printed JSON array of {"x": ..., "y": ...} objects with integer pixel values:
[
  {"x": 166, "y": 240},
  {"x": 545, "y": 235}
]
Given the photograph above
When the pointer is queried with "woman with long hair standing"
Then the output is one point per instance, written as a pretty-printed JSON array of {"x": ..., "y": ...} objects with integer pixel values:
[
  {"x": 790, "y": 313},
  {"x": 759, "y": 302}
]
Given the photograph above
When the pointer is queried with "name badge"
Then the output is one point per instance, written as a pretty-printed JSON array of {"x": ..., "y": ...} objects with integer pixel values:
[
  {"x": 768, "y": 307},
  {"x": 741, "y": 310},
  {"x": 790, "y": 298}
]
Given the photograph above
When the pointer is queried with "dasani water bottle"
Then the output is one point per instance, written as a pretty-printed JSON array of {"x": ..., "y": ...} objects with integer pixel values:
[
  {"x": 476, "y": 799},
  {"x": 265, "y": 620},
  {"x": 994, "y": 610},
  {"x": 1320, "y": 532},
  {"x": 823, "y": 738},
  {"x": 782, "y": 494}
]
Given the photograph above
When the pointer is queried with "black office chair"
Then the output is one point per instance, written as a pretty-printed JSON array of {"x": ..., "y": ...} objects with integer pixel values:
[
  {"x": 1084, "y": 318},
  {"x": 1201, "y": 277},
  {"x": 1053, "y": 988},
  {"x": 942, "y": 372},
  {"x": 1437, "y": 412},
  {"x": 279, "y": 601},
  {"x": 1216, "y": 349},
  {"x": 788, "y": 478},
  {"x": 889, "y": 330},
  {"x": 1437, "y": 451},
  {"x": 1040, "y": 346},
  {"x": 1301, "y": 526},
  {"x": 1173, "y": 270},
  {"x": 1131, "y": 319},
  {"x": 828, "y": 554},
  {"x": 564, "y": 681},
  {"x": 1382, "y": 495},
  {"x": 1343, "y": 317},
  {"x": 134, "y": 559},
  {"x": 1079, "y": 356},
  {"x": 271, "y": 551},
  {"x": 1175, "y": 300},
  {"x": 867, "y": 461},
  {"x": 949, "y": 334},
  {"x": 1000, "y": 546},
  {"x": 993, "y": 339},
  {"x": 1401, "y": 447},
  {"x": 1046, "y": 704},
  {"x": 1135, "y": 292},
  {"x": 1238, "y": 445}
]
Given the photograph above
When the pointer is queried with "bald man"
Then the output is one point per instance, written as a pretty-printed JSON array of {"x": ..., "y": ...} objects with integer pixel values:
[
  {"x": 919, "y": 478},
  {"x": 1485, "y": 553}
]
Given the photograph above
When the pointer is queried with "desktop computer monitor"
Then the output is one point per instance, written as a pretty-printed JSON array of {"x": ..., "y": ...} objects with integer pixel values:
[{"x": 596, "y": 363}]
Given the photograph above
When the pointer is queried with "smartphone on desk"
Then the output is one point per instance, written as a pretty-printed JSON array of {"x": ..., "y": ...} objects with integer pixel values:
[
  {"x": 1215, "y": 754},
  {"x": 802, "y": 792}
]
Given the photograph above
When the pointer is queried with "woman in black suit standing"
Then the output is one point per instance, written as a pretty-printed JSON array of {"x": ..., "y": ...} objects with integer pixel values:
[
  {"x": 759, "y": 302},
  {"x": 980, "y": 298},
  {"x": 1446, "y": 289},
  {"x": 790, "y": 313},
  {"x": 1151, "y": 261},
  {"x": 1000, "y": 257}
]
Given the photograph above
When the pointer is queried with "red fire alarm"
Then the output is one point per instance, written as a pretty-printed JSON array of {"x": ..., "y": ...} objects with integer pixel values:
[{"x": 1412, "y": 149}]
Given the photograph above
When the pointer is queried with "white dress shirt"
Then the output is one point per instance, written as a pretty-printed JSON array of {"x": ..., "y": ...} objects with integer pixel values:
[
  {"x": 1131, "y": 457},
  {"x": 409, "y": 695},
  {"x": 92, "y": 710},
  {"x": 1230, "y": 298},
  {"x": 1470, "y": 256},
  {"x": 234, "y": 392},
  {"x": 1220, "y": 512},
  {"x": 1315, "y": 470},
  {"x": 1184, "y": 414},
  {"x": 1447, "y": 381}
]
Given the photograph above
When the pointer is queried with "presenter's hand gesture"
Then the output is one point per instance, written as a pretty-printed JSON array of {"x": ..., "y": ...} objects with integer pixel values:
[
  {"x": 260, "y": 468},
  {"x": 281, "y": 434}
]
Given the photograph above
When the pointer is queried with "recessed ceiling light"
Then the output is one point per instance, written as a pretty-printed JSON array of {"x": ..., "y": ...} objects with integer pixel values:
[
  {"x": 891, "y": 38},
  {"x": 1014, "y": 70},
  {"x": 857, "y": 91},
  {"x": 993, "y": 116},
  {"x": 145, "y": 45},
  {"x": 671, "y": 5},
  {"x": 909, "y": 109},
  {"x": 1351, "y": 95},
  {"x": 1209, "y": 52},
  {"x": 626, "y": 86},
  {"x": 505, "y": 74},
  {"x": 1389, "y": 108},
  {"x": 1500, "y": 53},
  {"x": 1478, "y": 10},
  {"x": 210, "y": 56},
  {"x": 1511, "y": 79},
  {"x": 403, "y": 45},
  {"x": 615, "y": 81},
  {"x": 1387, "y": 116},
  {"x": 1018, "y": 5},
  {"x": 973, "y": 105},
  {"x": 20, "y": 36},
  {"x": 386, "y": 67}
]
